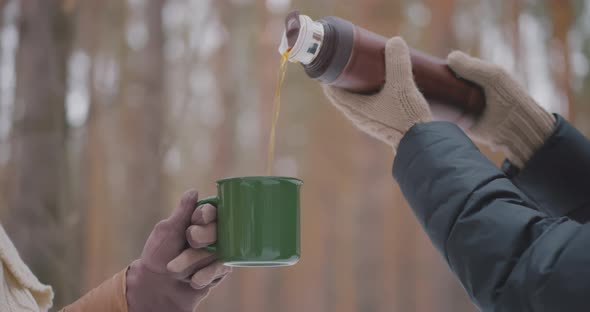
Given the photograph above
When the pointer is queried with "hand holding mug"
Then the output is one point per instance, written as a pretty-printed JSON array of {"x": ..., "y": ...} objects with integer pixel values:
[
  {"x": 253, "y": 221},
  {"x": 171, "y": 275}
]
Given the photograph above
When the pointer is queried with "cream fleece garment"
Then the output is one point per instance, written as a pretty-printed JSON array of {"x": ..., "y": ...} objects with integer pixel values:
[
  {"x": 20, "y": 290},
  {"x": 512, "y": 121},
  {"x": 390, "y": 113}
]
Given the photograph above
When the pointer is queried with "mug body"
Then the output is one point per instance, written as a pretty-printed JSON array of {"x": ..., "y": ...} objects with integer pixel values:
[{"x": 258, "y": 221}]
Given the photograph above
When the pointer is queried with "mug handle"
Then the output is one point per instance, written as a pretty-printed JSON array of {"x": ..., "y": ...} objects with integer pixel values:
[{"x": 213, "y": 200}]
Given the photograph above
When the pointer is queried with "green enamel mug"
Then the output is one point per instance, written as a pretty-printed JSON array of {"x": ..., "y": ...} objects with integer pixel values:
[{"x": 257, "y": 221}]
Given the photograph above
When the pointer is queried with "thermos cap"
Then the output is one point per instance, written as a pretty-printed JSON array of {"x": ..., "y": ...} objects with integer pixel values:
[{"x": 309, "y": 36}]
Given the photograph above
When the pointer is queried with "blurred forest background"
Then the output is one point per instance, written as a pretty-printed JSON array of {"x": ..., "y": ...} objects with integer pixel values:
[{"x": 110, "y": 109}]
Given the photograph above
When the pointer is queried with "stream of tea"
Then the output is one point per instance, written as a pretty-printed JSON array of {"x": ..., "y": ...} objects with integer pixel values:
[{"x": 276, "y": 108}]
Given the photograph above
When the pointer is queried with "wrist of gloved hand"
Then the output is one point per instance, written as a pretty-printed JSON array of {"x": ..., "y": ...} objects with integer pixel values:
[
  {"x": 390, "y": 113},
  {"x": 108, "y": 296},
  {"x": 512, "y": 121},
  {"x": 523, "y": 132}
]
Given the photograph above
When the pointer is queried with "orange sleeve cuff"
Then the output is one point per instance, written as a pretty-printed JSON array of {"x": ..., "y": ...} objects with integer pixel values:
[{"x": 108, "y": 296}]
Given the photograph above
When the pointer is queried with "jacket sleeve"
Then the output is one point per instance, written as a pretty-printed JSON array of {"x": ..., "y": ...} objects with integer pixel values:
[
  {"x": 108, "y": 296},
  {"x": 555, "y": 177},
  {"x": 508, "y": 255}
]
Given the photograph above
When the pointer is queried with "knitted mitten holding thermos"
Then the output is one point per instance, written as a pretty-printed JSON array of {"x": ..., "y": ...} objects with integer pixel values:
[
  {"x": 512, "y": 121},
  {"x": 390, "y": 113}
]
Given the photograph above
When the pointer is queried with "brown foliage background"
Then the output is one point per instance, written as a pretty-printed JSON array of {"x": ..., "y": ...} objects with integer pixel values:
[{"x": 110, "y": 109}]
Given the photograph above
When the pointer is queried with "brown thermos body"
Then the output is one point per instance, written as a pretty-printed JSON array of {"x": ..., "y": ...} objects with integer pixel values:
[{"x": 338, "y": 53}]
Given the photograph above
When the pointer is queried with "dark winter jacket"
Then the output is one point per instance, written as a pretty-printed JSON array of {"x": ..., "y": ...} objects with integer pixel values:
[{"x": 518, "y": 241}]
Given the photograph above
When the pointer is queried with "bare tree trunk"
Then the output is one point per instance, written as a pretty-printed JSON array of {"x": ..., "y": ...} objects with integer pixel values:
[
  {"x": 228, "y": 81},
  {"x": 101, "y": 22},
  {"x": 512, "y": 31},
  {"x": 38, "y": 203},
  {"x": 562, "y": 15},
  {"x": 142, "y": 97},
  {"x": 125, "y": 185},
  {"x": 4, "y": 165}
]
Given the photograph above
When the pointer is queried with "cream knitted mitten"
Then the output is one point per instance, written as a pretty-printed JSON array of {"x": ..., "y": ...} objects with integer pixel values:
[
  {"x": 388, "y": 114},
  {"x": 512, "y": 121}
]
